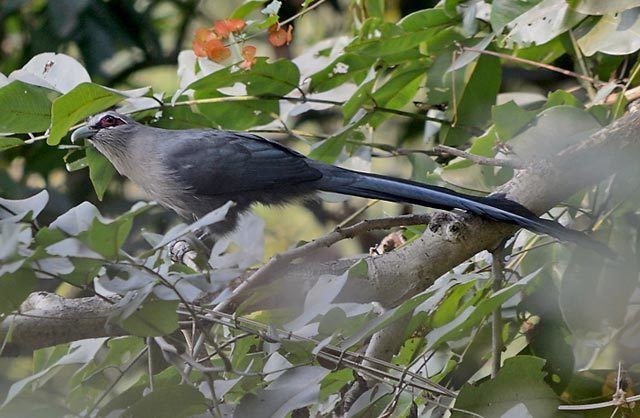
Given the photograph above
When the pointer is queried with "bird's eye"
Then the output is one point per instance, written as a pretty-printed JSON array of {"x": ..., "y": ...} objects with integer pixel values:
[{"x": 109, "y": 121}]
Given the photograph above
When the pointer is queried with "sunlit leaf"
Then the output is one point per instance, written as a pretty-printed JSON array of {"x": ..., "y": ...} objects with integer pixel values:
[
  {"x": 84, "y": 100},
  {"x": 25, "y": 108}
]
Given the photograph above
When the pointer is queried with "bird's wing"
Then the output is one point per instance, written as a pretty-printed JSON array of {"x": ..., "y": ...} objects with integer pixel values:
[{"x": 219, "y": 163}]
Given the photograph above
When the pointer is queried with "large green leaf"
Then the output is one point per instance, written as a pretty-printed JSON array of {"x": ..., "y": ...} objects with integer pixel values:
[
  {"x": 264, "y": 78},
  {"x": 518, "y": 389},
  {"x": 391, "y": 44},
  {"x": 401, "y": 86},
  {"x": 543, "y": 22},
  {"x": 108, "y": 238},
  {"x": 553, "y": 130},
  {"x": 345, "y": 68},
  {"x": 25, "y": 108},
  {"x": 475, "y": 101},
  {"x": 237, "y": 115},
  {"x": 427, "y": 18},
  {"x": 614, "y": 34},
  {"x": 14, "y": 288},
  {"x": 509, "y": 119},
  {"x": 504, "y": 12},
  {"x": 84, "y": 100}
]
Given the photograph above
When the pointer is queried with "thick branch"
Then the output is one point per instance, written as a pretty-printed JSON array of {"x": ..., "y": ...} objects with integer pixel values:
[{"x": 47, "y": 319}]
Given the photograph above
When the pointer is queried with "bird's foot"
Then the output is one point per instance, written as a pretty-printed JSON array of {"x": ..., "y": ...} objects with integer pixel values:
[{"x": 182, "y": 252}]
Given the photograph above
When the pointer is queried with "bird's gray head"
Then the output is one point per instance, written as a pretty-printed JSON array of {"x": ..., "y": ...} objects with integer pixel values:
[{"x": 106, "y": 128}]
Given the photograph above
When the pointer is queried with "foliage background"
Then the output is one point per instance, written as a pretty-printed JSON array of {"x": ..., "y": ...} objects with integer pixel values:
[{"x": 569, "y": 318}]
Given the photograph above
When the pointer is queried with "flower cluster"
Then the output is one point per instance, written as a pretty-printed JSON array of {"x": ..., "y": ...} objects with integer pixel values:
[{"x": 210, "y": 42}]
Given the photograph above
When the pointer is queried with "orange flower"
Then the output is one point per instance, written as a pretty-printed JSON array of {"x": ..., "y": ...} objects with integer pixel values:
[
  {"x": 249, "y": 54},
  {"x": 224, "y": 27},
  {"x": 235, "y": 25},
  {"x": 278, "y": 36},
  {"x": 198, "y": 48},
  {"x": 203, "y": 35},
  {"x": 216, "y": 50}
]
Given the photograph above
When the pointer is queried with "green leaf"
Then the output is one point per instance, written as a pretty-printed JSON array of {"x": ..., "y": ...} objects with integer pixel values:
[
  {"x": 614, "y": 34},
  {"x": 9, "y": 142},
  {"x": 552, "y": 130},
  {"x": 182, "y": 117},
  {"x": 79, "y": 354},
  {"x": 153, "y": 319},
  {"x": 520, "y": 381},
  {"x": 237, "y": 115},
  {"x": 84, "y": 100},
  {"x": 25, "y": 108},
  {"x": 464, "y": 173},
  {"x": 374, "y": 8},
  {"x": 504, "y": 12},
  {"x": 600, "y": 7},
  {"x": 509, "y": 119},
  {"x": 390, "y": 44},
  {"x": 108, "y": 238},
  {"x": 169, "y": 402},
  {"x": 475, "y": 101},
  {"x": 277, "y": 78},
  {"x": 397, "y": 92},
  {"x": 473, "y": 315},
  {"x": 586, "y": 287},
  {"x": 100, "y": 171},
  {"x": 343, "y": 69},
  {"x": 247, "y": 7},
  {"x": 423, "y": 19},
  {"x": 543, "y": 22},
  {"x": 328, "y": 150},
  {"x": 14, "y": 289}
]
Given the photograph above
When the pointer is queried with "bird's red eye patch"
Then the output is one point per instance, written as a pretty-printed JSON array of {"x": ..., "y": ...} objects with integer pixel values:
[{"x": 109, "y": 121}]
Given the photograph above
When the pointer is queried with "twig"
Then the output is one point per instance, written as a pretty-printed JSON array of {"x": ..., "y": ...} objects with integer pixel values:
[
  {"x": 150, "y": 363},
  {"x": 497, "y": 270},
  {"x": 630, "y": 94},
  {"x": 479, "y": 159},
  {"x": 583, "y": 66},
  {"x": 535, "y": 64},
  {"x": 328, "y": 240}
]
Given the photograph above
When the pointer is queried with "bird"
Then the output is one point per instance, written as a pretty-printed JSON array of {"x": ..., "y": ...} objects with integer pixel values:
[{"x": 195, "y": 171}]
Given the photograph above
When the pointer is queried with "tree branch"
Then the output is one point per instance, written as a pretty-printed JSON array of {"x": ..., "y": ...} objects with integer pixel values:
[
  {"x": 46, "y": 319},
  {"x": 479, "y": 159}
]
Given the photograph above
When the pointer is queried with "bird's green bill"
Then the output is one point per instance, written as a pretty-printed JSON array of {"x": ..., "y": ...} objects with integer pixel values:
[{"x": 82, "y": 132}]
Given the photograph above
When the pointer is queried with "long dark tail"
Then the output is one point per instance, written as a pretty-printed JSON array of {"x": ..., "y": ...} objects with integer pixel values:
[{"x": 496, "y": 207}]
